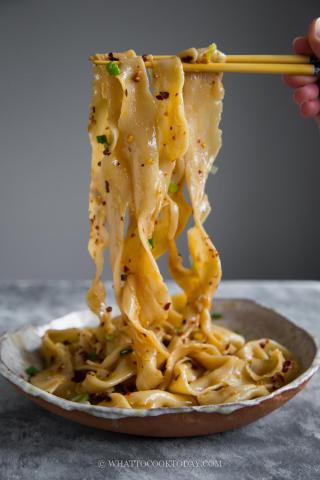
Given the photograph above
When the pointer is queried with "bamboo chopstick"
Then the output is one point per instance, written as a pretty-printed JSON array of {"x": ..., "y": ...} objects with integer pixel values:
[
  {"x": 270, "y": 64},
  {"x": 258, "y": 58}
]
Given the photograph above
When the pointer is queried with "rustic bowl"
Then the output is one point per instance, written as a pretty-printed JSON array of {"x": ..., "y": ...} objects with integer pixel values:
[{"x": 20, "y": 349}]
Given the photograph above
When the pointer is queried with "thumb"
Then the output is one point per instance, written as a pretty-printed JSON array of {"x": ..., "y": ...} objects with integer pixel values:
[{"x": 314, "y": 36}]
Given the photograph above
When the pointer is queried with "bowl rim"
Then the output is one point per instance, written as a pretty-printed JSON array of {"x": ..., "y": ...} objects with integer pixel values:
[{"x": 113, "y": 413}]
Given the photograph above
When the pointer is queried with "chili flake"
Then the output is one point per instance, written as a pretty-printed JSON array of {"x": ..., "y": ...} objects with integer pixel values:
[{"x": 162, "y": 95}]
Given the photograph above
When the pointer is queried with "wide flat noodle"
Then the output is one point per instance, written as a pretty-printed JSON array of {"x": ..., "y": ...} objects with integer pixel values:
[{"x": 153, "y": 145}]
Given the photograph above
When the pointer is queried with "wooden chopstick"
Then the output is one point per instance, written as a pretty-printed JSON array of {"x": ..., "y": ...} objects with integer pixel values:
[
  {"x": 264, "y": 64},
  {"x": 258, "y": 58}
]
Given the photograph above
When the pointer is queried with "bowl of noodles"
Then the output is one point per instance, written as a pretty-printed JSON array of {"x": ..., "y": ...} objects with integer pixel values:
[
  {"x": 154, "y": 363},
  {"x": 21, "y": 349}
]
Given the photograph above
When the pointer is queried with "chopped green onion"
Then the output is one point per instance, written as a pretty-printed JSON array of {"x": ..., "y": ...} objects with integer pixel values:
[
  {"x": 173, "y": 188},
  {"x": 151, "y": 242},
  {"x": 113, "y": 69},
  {"x": 31, "y": 371},
  {"x": 216, "y": 315},
  {"x": 211, "y": 49},
  {"x": 81, "y": 398},
  {"x": 214, "y": 169},
  {"x": 109, "y": 336},
  {"x": 93, "y": 357},
  {"x": 102, "y": 139},
  {"x": 125, "y": 351}
]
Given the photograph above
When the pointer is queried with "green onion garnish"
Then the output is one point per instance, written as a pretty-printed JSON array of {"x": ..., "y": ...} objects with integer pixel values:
[
  {"x": 109, "y": 337},
  {"x": 81, "y": 398},
  {"x": 93, "y": 357},
  {"x": 125, "y": 351},
  {"x": 102, "y": 139},
  {"x": 216, "y": 315},
  {"x": 151, "y": 242},
  {"x": 31, "y": 371},
  {"x": 173, "y": 188},
  {"x": 113, "y": 69},
  {"x": 212, "y": 48}
]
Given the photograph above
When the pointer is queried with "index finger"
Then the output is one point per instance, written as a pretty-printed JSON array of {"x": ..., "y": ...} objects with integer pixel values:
[{"x": 301, "y": 46}]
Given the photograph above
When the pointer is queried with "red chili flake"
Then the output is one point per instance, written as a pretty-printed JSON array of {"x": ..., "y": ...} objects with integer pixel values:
[
  {"x": 123, "y": 277},
  {"x": 104, "y": 203},
  {"x": 94, "y": 109},
  {"x": 121, "y": 218},
  {"x": 125, "y": 269},
  {"x": 162, "y": 95},
  {"x": 286, "y": 366},
  {"x": 99, "y": 164},
  {"x": 167, "y": 306},
  {"x": 107, "y": 186},
  {"x": 136, "y": 77},
  {"x": 112, "y": 58},
  {"x": 187, "y": 59},
  {"x": 145, "y": 57},
  {"x": 109, "y": 309},
  {"x": 106, "y": 152},
  {"x": 142, "y": 164},
  {"x": 132, "y": 235},
  {"x": 126, "y": 92}
]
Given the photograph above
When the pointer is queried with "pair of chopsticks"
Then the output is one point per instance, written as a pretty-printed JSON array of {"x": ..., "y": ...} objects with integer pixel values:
[{"x": 276, "y": 64}]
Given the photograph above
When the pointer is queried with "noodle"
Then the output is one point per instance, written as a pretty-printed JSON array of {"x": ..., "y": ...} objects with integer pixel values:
[{"x": 153, "y": 145}]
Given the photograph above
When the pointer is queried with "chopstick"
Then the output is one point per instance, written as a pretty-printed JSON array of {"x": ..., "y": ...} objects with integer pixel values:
[{"x": 270, "y": 64}]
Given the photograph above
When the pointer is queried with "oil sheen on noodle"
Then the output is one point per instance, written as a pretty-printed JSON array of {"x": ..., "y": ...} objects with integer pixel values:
[{"x": 153, "y": 145}]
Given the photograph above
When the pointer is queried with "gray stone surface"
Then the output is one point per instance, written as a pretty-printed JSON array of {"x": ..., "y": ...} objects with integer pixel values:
[{"x": 35, "y": 444}]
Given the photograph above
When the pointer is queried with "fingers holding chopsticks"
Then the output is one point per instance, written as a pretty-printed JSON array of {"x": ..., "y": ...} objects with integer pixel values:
[{"x": 306, "y": 93}]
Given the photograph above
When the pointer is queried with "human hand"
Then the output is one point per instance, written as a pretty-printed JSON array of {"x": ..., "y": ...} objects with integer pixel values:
[{"x": 306, "y": 88}]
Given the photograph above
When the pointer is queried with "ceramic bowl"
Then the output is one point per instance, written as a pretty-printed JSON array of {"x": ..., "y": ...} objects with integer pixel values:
[{"x": 20, "y": 349}]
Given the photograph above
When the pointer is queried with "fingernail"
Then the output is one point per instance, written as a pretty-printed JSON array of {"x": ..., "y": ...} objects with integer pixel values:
[{"x": 318, "y": 27}]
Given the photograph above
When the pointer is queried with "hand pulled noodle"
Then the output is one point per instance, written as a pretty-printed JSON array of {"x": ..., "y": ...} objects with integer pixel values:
[{"x": 154, "y": 140}]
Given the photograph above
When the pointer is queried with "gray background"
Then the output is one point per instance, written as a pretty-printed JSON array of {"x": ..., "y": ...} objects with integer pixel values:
[{"x": 265, "y": 195}]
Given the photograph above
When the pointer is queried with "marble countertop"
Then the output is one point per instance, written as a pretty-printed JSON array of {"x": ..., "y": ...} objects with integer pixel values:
[{"x": 35, "y": 444}]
